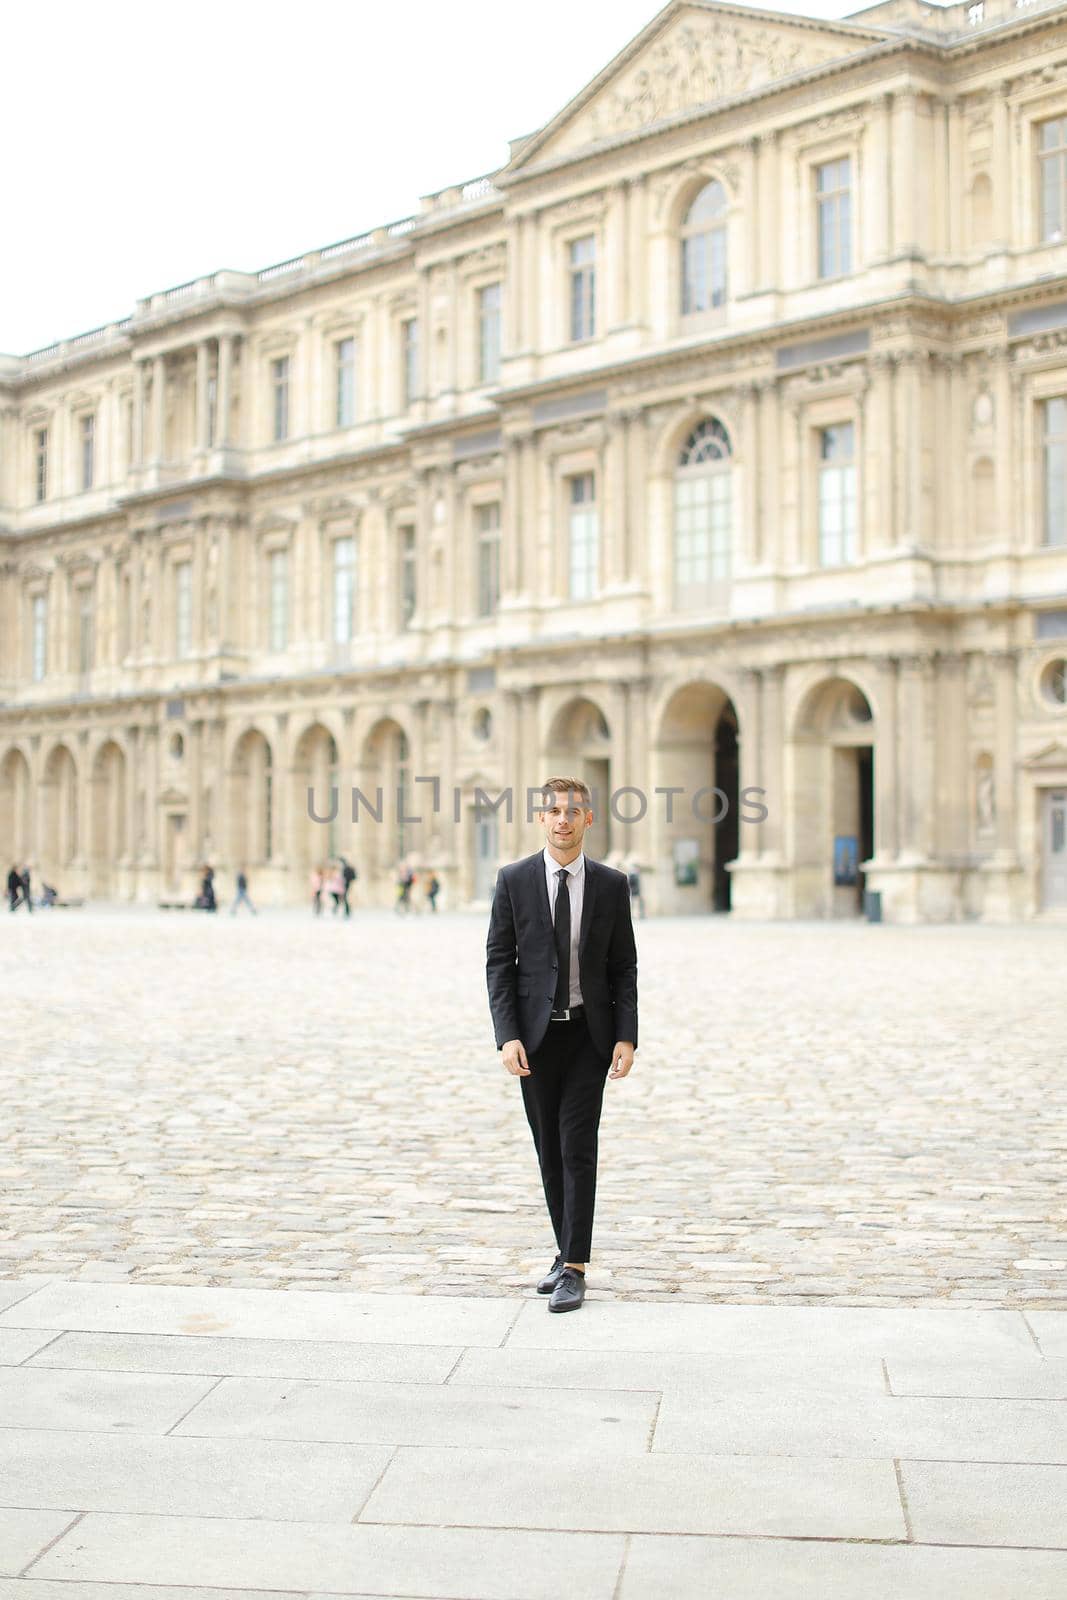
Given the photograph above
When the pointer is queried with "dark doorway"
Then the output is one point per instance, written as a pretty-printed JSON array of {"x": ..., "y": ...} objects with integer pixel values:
[
  {"x": 726, "y": 780},
  {"x": 865, "y": 775}
]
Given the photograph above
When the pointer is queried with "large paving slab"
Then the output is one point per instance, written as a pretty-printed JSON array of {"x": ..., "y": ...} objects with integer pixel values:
[
  {"x": 132, "y": 1401},
  {"x": 770, "y": 1145},
  {"x": 825, "y": 1422},
  {"x": 446, "y": 1563},
  {"x": 781, "y": 1371},
  {"x": 19, "y": 1344},
  {"x": 60, "y": 1589},
  {"x": 51, "y": 1469},
  {"x": 25, "y": 1534},
  {"x": 248, "y": 1313},
  {"x": 807, "y": 1569},
  {"x": 650, "y": 1494},
  {"x": 460, "y": 1416},
  {"x": 1020, "y": 1378},
  {"x": 249, "y": 1358},
  {"x": 777, "y": 1330},
  {"x": 986, "y": 1503}
]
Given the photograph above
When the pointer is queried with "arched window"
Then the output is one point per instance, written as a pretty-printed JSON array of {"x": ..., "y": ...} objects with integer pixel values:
[
  {"x": 704, "y": 251},
  {"x": 703, "y": 517}
]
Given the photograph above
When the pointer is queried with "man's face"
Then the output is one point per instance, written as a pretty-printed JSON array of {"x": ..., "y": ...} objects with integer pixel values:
[{"x": 565, "y": 821}]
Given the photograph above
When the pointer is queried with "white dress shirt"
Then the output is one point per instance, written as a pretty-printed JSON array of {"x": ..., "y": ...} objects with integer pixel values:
[{"x": 576, "y": 872}]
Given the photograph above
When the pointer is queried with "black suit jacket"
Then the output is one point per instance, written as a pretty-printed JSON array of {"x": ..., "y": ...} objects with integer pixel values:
[{"x": 520, "y": 955}]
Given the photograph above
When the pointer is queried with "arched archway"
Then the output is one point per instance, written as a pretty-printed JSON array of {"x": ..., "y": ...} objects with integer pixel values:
[
  {"x": 316, "y": 769},
  {"x": 16, "y": 810},
  {"x": 253, "y": 840},
  {"x": 109, "y": 826},
  {"x": 59, "y": 818},
  {"x": 696, "y": 830},
  {"x": 381, "y": 845},
  {"x": 833, "y": 798},
  {"x": 579, "y": 746}
]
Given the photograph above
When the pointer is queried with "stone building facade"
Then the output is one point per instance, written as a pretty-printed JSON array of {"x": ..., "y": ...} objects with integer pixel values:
[{"x": 718, "y": 441}]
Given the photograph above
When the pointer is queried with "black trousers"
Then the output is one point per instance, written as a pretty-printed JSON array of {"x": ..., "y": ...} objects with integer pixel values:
[{"x": 563, "y": 1096}]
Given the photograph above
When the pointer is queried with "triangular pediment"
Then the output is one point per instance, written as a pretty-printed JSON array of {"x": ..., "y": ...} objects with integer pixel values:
[
  {"x": 1053, "y": 755},
  {"x": 694, "y": 53}
]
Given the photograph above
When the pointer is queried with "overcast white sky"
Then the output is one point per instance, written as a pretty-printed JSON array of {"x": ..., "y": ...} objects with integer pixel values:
[{"x": 148, "y": 143}]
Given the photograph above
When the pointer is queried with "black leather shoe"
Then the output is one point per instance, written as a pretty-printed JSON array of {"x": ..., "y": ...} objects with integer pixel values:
[
  {"x": 569, "y": 1291},
  {"x": 549, "y": 1281}
]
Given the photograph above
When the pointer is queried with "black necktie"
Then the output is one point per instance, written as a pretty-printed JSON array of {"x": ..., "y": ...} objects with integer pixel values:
[{"x": 563, "y": 940}]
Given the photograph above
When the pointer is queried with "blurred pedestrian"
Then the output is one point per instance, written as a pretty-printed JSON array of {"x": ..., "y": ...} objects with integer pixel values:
[
  {"x": 14, "y": 889},
  {"x": 335, "y": 887},
  {"x": 241, "y": 897},
  {"x": 349, "y": 874},
  {"x": 27, "y": 893},
  {"x": 433, "y": 889},
  {"x": 404, "y": 883},
  {"x": 316, "y": 890}
]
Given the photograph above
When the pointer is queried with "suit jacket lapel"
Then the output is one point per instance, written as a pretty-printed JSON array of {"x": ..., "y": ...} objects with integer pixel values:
[
  {"x": 592, "y": 873},
  {"x": 540, "y": 886}
]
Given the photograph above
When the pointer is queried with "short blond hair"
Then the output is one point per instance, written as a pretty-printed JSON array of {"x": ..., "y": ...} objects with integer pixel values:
[{"x": 573, "y": 786}]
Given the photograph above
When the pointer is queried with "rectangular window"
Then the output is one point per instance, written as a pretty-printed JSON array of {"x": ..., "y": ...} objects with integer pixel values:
[
  {"x": 1052, "y": 179},
  {"x": 183, "y": 608},
  {"x": 837, "y": 495},
  {"x": 582, "y": 533},
  {"x": 489, "y": 302},
  {"x": 703, "y": 539},
  {"x": 88, "y": 446},
  {"x": 344, "y": 589},
  {"x": 487, "y": 524},
  {"x": 85, "y": 631},
  {"x": 40, "y": 637},
  {"x": 278, "y": 632},
  {"x": 833, "y": 204},
  {"x": 583, "y": 288},
  {"x": 344, "y": 353},
  {"x": 40, "y": 464},
  {"x": 1054, "y": 463},
  {"x": 409, "y": 356},
  {"x": 279, "y": 380},
  {"x": 408, "y": 578}
]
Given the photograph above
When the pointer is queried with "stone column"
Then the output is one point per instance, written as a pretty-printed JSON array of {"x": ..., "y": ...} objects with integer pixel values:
[
  {"x": 905, "y": 241},
  {"x": 159, "y": 408},
  {"x": 1005, "y": 666},
  {"x": 1001, "y": 145},
  {"x": 223, "y": 389},
  {"x": 196, "y": 765},
  {"x": 771, "y": 832},
  {"x": 637, "y": 245},
  {"x": 952, "y": 833},
  {"x": 635, "y": 837},
  {"x": 519, "y": 518},
  {"x": 617, "y": 509},
  {"x": 886, "y": 834},
  {"x": 137, "y": 442},
  {"x": 203, "y": 438},
  {"x": 916, "y": 791},
  {"x": 751, "y": 511},
  {"x": 635, "y": 568}
]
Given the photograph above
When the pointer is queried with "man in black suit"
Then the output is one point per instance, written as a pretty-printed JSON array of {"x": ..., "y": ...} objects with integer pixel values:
[{"x": 561, "y": 967}]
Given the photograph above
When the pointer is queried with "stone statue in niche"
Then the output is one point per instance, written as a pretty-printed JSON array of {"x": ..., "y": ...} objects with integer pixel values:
[
  {"x": 982, "y": 412},
  {"x": 985, "y": 805}
]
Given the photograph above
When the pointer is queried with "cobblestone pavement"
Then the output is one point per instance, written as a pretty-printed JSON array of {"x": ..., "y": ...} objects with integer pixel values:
[{"x": 818, "y": 1113}]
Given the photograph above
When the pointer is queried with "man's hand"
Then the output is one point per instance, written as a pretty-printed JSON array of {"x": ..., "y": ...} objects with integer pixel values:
[
  {"x": 515, "y": 1058},
  {"x": 622, "y": 1059}
]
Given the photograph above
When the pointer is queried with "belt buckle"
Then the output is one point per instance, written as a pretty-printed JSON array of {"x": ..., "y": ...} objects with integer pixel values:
[{"x": 561, "y": 1016}]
